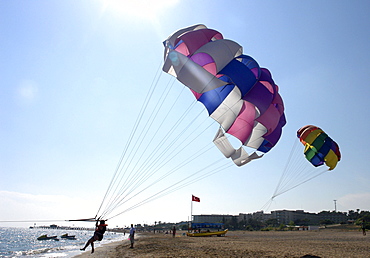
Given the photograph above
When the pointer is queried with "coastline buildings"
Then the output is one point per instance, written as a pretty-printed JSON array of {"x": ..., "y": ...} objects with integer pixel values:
[{"x": 298, "y": 217}]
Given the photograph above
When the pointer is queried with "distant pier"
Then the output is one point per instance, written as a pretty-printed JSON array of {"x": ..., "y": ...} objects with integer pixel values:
[{"x": 53, "y": 226}]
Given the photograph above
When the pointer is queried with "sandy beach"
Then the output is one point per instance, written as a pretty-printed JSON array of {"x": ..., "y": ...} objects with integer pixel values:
[{"x": 320, "y": 243}]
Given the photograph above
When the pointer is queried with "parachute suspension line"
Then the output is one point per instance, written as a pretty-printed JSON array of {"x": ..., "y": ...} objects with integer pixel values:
[
  {"x": 165, "y": 138},
  {"x": 202, "y": 176},
  {"x": 143, "y": 177},
  {"x": 136, "y": 124},
  {"x": 157, "y": 196},
  {"x": 143, "y": 174},
  {"x": 132, "y": 177},
  {"x": 266, "y": 206},
  {"x": 156, "y": 168},
  {"x": 163, "y": 163},
  {"x": 306, "y": 180},
  {"x": 180, "y": 143},
  {"x": 138, "y": 180},
  {"x": 297, "y": 171},
  {"x": 137, "y": 146},
  {"x": 136, "y": 177},
  {"x": 196, "y": 155},
  {"x": 159, "y": 158},
  {"x": 285, "y": 168},
  {"x": 133, "y": 132},
  {"x": 172, "y": 188},
  {"x": 185, "y": 130},
  {"x": 187, "y": 161}
]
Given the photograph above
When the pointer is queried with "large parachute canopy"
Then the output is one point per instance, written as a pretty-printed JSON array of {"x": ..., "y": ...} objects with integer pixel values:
[
  {"x": 240, "y": 95},
  {"x": 319, "y": 147}
]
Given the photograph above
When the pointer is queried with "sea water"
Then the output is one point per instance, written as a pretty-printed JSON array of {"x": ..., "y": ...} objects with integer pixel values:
[{"x": 22, "y": 242}]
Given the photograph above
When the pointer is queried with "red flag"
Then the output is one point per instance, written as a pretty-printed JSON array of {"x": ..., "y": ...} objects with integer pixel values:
[{"x": 195, "y": 199}]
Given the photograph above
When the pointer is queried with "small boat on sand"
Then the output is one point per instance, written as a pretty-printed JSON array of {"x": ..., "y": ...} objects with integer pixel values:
[
  {"x": 204, "y": 234},
  {"x": 46, "y": 237},
  {"x": 203, "y": 230}
]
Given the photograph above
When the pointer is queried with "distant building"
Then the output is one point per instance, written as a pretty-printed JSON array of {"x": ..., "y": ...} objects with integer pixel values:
[
  {"x": 211, "y": 218},
  {"x": 244, "y": 217},
  {"x": 259, "y": 215},
  {"x": 298, "y": 217},
  {"x": 335, "y": 217}
]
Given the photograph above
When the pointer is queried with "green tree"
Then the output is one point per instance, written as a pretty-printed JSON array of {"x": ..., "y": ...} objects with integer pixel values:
[
  {"x": 242, "y": 224},
  {"x": 291, "y": 225},
  {"x": 302, "y": 222},
  {"x": 326, "y": 222},
  {"x": 272, "y": 222},
  {"x": 281, "y": 227},
  {"x": 255, "y": 224},
  {"x": 234, "y": 223},
  {"x": 364, "y": 218}
]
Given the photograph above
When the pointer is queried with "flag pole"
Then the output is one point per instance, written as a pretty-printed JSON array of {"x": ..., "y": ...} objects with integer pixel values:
[
  {"x": 193, "y": 199},
  {"x": 191, "y": 213}
]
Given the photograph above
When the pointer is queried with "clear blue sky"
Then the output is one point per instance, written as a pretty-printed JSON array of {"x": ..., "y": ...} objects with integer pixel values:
[{"x": 74, "y": 75}]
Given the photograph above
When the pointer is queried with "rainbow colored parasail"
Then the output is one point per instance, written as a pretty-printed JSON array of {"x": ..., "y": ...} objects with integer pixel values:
[
  {"x": 240, "y": 95},
  {"x": 319, "y": 147}
]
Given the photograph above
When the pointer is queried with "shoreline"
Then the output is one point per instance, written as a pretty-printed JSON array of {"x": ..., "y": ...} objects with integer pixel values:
[
  {"x": 315, "y": 243},
  {"x": 103, "y": 251}
]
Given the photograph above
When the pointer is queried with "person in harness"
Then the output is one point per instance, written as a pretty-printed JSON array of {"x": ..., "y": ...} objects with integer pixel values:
[{"x": 98, "y": 235}]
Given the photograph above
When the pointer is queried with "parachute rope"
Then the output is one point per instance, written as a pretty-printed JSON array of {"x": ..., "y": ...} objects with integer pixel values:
[
  {"x": 178, "y": 185},
  {"x": 298, "y": 184},
  {"x": 296, "y": 172},
  {"x": 130, "y": 176},
  {"x": 286, "y": 168},
  {"x": 136, "y": 125}
]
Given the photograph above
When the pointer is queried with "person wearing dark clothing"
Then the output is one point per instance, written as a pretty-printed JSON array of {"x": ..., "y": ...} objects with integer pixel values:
[
  {"x": 98, "y": 235},
  {"x": 174, "y": 231},
  {"x": 132, "y": 236},
  {"x": 363, "y": 227}
]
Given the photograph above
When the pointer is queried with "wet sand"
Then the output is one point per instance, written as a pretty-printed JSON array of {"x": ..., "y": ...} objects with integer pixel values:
[{"x": 321, "y": 243}]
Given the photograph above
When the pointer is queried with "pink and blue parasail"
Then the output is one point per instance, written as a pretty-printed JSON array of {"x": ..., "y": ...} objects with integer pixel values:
[{"x": 240, "y": 95}]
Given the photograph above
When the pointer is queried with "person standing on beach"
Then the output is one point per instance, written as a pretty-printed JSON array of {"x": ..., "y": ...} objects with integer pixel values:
[
  {"x": 132, "y": 236},
  {"x": 98, "y": 235},
  {"x": 363, "y": 227},
  {"x": 174, "y": 231}
]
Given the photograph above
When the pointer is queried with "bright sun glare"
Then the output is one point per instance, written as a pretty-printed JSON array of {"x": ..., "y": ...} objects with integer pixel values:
[{"x": 143, "y": 9}]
